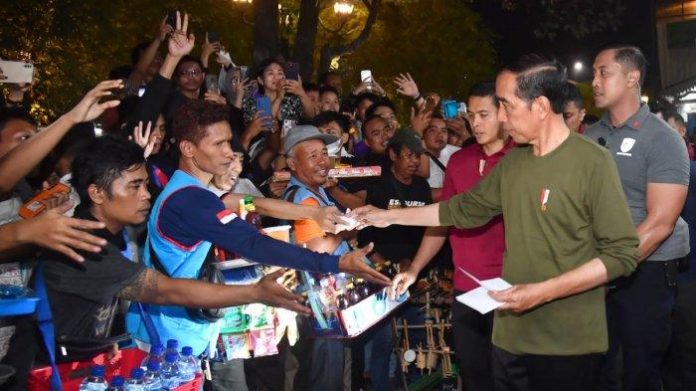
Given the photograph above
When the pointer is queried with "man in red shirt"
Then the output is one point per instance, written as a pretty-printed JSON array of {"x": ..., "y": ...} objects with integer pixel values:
[{"x": 479, "y": 250}]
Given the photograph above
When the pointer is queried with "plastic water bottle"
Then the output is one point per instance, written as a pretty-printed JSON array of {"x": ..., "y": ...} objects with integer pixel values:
[
  {"x": 170, "y": 372},
  {"x": 116, "y": 384},
  {"x": 152, "y": 380},
  {"x": 188, "y": 365},
  {"x": 135, "y": 383},
  {"x": 172, "y": 348},
  {"x": 156, "y": 354},
  {"x": 95, "y": 381}
]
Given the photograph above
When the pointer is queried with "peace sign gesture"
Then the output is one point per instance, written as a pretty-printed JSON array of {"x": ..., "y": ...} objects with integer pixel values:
[{"x": 181, "y": 44}]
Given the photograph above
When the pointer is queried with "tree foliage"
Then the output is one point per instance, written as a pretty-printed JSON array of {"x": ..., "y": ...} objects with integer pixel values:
[{"x": 75, "y": 43}]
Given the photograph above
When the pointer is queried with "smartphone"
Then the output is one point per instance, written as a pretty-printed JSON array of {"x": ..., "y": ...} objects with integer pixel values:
[
  {"x": 35, "y": 207},
  {"x": 366, "y": 76},
  {"x": 245, "y": 71},
  {"x": 171, "y": 18},
  {"x": 16, "y": 71},
  {"x": 263, "y": 106},
  {"x": 211, "y": 83},
  {"x": 292, "y": 71},
  {"x": 287, "y": 125},
  {"x": 450, "y": 108},
  {"x": 141, "y": 91},
  {"x": 213, "y": 36}
]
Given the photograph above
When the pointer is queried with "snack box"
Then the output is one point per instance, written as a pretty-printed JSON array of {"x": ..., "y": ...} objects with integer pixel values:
[
  {"x": 327, "y": 321},
  {"x": 340, "y": 172}
]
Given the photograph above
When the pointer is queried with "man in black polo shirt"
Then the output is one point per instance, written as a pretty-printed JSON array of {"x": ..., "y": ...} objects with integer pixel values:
[{"x": 654, "y": 170}]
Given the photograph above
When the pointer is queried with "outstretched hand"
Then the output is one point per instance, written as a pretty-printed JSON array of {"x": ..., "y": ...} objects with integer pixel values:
[
  {"x": 63, "y": 234},
  {"x": 353, "y": 264},
  {"x": 181, "y": 44},
  {"x": 89, "y": 107},
  {"x": 270, "y": 292},
  {"x": 370, "y": 216},
  {"x": 406, "y": 86}
]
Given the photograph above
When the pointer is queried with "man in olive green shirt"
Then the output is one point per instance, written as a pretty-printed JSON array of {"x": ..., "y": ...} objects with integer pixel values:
[{"x": 568, "y": 231}]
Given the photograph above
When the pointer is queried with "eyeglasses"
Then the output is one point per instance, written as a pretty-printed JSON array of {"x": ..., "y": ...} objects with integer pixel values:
[{"x": 191, "y": 73}]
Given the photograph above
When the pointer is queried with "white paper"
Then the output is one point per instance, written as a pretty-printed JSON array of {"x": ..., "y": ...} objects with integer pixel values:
[{"x": 478, "y": 298}]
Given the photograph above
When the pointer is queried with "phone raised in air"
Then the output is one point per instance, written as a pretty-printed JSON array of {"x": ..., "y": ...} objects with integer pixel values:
[
  {"x": 292, "y": 71},
  {"x": 213, "y": 36},
  {"x": 450, "y": 108},
  {"x": 16, "y": 71},
  {"x": 171, "y": 18},
  {"x": 263, "y": 106}
]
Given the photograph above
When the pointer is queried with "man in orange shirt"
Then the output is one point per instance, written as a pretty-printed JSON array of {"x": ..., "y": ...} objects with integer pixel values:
[{"x": 308, "y": 160}]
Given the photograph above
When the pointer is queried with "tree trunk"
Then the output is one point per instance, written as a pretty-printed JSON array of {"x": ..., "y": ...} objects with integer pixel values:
[
  {"x": 306, "y": 37},
  {"x": 329, "y": 52},
  {"x": 265, "y": 30}
]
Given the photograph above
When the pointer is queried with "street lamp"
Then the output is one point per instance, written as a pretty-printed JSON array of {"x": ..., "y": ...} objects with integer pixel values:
[{"x": 343, "y": 7}]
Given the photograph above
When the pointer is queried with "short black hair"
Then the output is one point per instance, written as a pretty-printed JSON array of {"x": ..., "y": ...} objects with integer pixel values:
[
  {"x": 192, "y": 118},
  {"x": 266, "y": 63},
  {"x": 101, "y": 162},
  {"x": 573, "y": 95},
  {"x": 484, "y": 89},
  {"x": 630, "y": 57},
  {"x": 540, "y": 76},
  {"x": 384, "y": 102},
  {"x": 368, "y": 119},
  {"x": 14, "y": 113},
  {"x": 327, "y": 117},
  {"x": 325, "y": 89},
  {"x": 674, "y": 115},
  {"x": 188, "y": 58}
]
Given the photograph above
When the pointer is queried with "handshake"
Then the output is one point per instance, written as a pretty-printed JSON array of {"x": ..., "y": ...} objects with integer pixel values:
[{"x": 333, "y": 221}]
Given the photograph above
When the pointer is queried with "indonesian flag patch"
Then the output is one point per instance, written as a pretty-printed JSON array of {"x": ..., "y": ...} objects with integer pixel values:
[{"x": 226, "y": 215}]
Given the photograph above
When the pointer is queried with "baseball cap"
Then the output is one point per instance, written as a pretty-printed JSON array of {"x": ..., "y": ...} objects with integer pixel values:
[
  {"x": 409, "y": 138},
  {"x": 302, "y": 133}
]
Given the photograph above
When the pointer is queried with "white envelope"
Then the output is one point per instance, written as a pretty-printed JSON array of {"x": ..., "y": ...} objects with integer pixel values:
[{"x": 479, "y": 299}]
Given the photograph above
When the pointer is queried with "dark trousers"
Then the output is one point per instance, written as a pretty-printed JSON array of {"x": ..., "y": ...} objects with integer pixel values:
[
  {"x": 381, "y": 337},
  {"x": 531, "y": 372},
  {"x": 472, "y": 345},
  {"x": 680, "y": 364},
  {"x": 639, "y": 311}
]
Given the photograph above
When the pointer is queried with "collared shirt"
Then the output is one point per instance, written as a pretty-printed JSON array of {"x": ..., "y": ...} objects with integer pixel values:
[
  {"x": 647, "y": 150},
  {"x": 477, "y": 250}
]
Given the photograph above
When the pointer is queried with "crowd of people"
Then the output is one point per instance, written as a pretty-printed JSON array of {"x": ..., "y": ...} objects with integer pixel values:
[{"x": 587, "y": 218}]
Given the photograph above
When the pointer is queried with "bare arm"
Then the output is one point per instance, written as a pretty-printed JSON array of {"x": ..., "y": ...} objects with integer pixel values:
[
  {"x": 664, "y": 202},
  {"x": 153, "y": 287},
  {"x": 433, "y": 240},
  {"x": 140, "y": 72},
  {"x": 426, "y": 216},
  {"x": 20, "y": 161},
  {"x": 523, "y": 297}
]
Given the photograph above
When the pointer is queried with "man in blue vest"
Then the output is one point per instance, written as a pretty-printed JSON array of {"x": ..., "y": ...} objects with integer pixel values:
[{"x": 187, "y": 219}]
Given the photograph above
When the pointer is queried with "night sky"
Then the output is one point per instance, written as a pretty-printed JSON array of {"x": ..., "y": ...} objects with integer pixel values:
[{"x": 517, "y": 37}]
